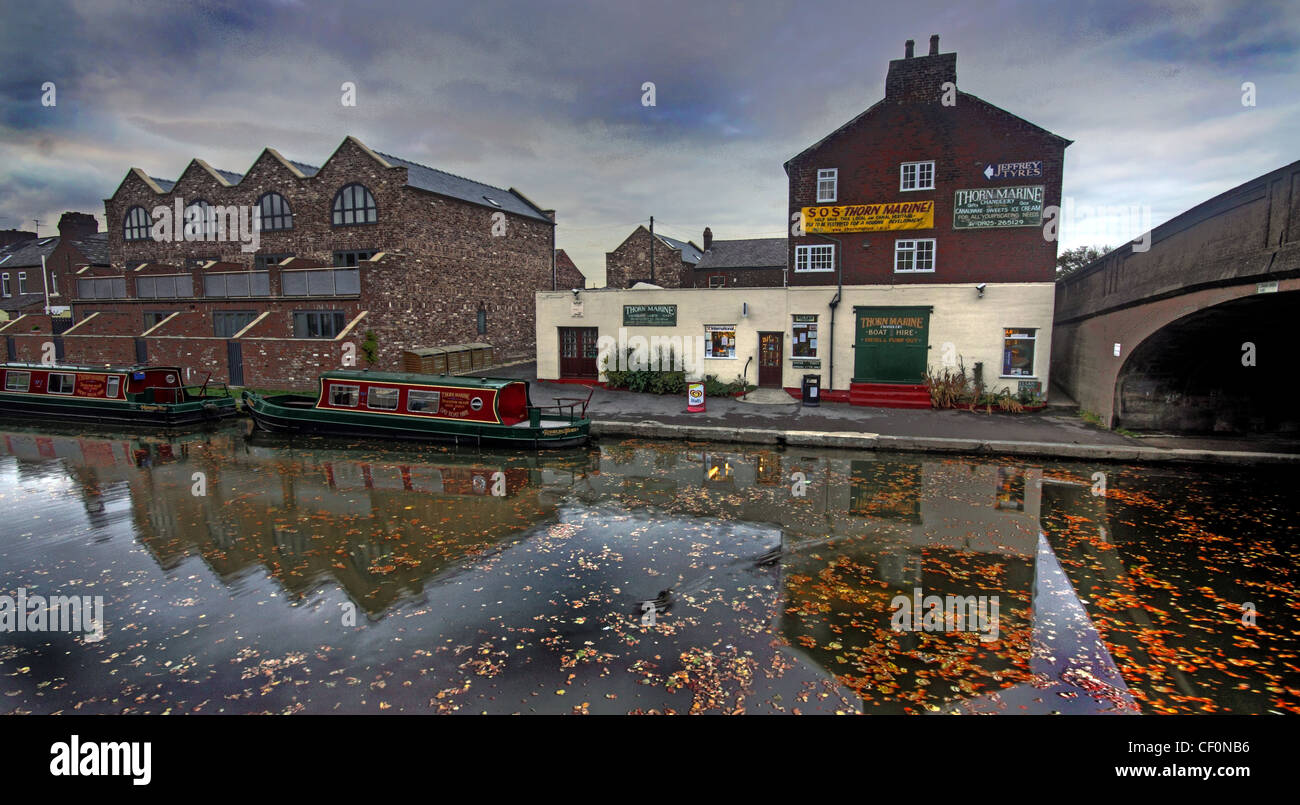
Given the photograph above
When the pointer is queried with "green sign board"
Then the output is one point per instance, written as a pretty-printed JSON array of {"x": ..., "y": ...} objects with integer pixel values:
[
  {"x": 649, "y": 315},
  {"x": 996, "y": 207},
  {"x": 891, "y": 344}
]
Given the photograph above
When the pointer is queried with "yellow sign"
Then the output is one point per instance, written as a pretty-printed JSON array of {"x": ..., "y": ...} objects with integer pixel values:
[{"x": 870, "y": 217}]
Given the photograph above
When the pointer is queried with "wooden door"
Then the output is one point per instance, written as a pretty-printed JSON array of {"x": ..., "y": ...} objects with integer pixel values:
[
  {"x": 578, "y": 352},
  {"x": 770, "y": 346}
]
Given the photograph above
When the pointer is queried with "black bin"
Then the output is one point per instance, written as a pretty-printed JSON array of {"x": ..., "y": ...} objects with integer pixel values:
[{"x": 812, "y": 390}]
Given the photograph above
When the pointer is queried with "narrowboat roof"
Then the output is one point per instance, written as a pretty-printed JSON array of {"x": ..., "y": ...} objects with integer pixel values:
[
  {"x": 426, "y": 380},
  {"x": 69, "y": 367}
]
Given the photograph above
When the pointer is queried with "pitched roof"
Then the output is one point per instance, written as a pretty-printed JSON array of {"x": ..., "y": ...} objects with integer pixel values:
[
  {"x": 28, "y": 253},
  {"x": 20, "y": 301},
  {"x": 752, "y": 253},
  {"x": 690, "y": 252},
  {"x": 418, "y": 176},
  {"x": 94, "y": 248},
  {"x": 458, "y": 187},
  {"x": 960, "y": 95}
]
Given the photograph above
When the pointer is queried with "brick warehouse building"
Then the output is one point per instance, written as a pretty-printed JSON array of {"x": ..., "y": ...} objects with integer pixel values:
[
  {"x": 365, "y": 242},
  {"x": 922, "y": 248},
  {"x": 658, "y": 260},
  {"x": 986, "y": 177}
]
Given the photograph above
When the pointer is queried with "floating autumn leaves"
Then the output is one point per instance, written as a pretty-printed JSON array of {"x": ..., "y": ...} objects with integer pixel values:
[{"x": 765, "y": 599}]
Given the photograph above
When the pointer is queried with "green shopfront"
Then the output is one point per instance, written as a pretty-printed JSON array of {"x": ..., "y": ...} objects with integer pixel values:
[{"x": 891, "y": 344}]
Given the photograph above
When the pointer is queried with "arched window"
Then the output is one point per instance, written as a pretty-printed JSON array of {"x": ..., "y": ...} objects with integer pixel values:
[
  {"x": 275, "y": 212},
  {"x": 354, "y": 205},
  {"x": 198, "y": 219},
  {"x": 136, "y": 225}
]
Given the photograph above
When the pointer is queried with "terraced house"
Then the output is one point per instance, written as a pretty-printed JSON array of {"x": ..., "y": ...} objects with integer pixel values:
[{"x": 365, "y": 243}]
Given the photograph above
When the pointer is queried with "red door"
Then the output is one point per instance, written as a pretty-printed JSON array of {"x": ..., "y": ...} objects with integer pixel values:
[
  {"x": 578, "y": 352},
  {"x": 769, "y": 359}
]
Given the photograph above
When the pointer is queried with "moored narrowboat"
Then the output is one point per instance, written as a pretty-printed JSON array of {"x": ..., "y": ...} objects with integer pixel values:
[
  {"x": 463, "y": 410},
  {"x": 137, "y": 395}
]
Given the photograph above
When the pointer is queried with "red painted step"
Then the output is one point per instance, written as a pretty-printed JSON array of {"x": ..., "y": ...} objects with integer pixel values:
[{"x": 889, "y": 395}]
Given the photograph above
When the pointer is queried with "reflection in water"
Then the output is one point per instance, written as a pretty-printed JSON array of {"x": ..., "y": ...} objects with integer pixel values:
[{"x": 637, "y": 577}]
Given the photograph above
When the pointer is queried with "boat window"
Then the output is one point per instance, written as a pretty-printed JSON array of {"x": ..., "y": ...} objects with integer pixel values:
[
  {"x": 346, "y": 396},
  {"x": 425, "y": 401},
  {"x": 383, "y": 399},
  {"x": 17, "y": 381},
  {"x": 61, "y": 383},
  {"x": 114, "y": 383}
]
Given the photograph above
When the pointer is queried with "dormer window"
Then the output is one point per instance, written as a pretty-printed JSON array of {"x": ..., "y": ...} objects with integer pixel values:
[{"x": 827, "y": 184}]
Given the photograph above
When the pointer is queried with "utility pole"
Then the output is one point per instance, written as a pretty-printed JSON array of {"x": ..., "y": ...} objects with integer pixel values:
[{"x": 652, "y": 250}]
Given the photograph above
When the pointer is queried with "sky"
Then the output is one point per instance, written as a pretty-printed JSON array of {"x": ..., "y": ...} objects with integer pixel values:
[{"x": 547, "y": 97}]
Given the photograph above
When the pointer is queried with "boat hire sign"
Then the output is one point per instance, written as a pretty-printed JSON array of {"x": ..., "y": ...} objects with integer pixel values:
[
  {"x": 870, "y": 217},
  {"x": 891, "y": 330},
  {"x": 994, "y": 207},
  {"x": 649, "y": 315}
]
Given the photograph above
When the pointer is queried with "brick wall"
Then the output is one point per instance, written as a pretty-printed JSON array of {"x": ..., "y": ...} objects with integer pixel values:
[
  {"x": 911, "y": 125},
  {"x": 630, "y": 263},
  {"x": 443, "y": 260}
]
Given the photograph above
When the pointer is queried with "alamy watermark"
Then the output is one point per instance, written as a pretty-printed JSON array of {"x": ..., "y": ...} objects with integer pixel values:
[
  {"x": 58, "y": 613},
  {"x": 658, "y": 353},
  {"x": 208, "y": 223},
  {"x": 953, "y": 613},
  {"x": 1089, "y": 223}
]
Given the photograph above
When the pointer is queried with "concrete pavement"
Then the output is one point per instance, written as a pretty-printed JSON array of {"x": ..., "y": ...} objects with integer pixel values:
[{"x": 1054, "y": 432}]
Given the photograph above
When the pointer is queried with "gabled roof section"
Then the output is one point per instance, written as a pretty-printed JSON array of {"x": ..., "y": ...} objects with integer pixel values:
[
  {"x": 27, "y": 254},
  {"x": 423, "y": 177},
  {"x": 690, "y": 252},
  {"x": 751, "y": 253},
  {"x": 960, "y": 95},
  {"x": 298, "y": 169}
]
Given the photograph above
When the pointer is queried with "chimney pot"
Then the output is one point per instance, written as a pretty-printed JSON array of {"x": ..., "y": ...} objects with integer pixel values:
[
  {"x": 907, "y": 48},
  {"x": 934, "y": 45},
  {"x": 708, "y": 238}
]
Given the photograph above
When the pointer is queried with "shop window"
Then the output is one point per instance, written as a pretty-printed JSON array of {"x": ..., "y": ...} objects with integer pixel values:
[
  {"x": 803, "y": 337},
  {"x": 720, "y": 341},
  {"x": 1018, "y": 351}
]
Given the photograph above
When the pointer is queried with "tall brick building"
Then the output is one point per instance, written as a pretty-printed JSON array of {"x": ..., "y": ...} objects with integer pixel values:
[
  {"x": 658, "y": 260},
  {"x": 367, "y": 242},
  {"x": 919, "y": 244}
]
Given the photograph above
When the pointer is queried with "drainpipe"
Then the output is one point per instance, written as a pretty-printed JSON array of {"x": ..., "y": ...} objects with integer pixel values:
[{"x": 834, "y": 303}]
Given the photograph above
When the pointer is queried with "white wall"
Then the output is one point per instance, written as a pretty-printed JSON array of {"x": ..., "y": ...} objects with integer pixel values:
[{"x": 973, "y": 325}]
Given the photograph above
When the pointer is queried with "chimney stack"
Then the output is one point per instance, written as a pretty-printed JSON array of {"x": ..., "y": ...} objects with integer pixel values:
[
  {"x": 708, "y": 238},
  {"x": 77, "y": 225},
  {"x": 907, "y": 48},
  {"x": 920, "y": 79}
]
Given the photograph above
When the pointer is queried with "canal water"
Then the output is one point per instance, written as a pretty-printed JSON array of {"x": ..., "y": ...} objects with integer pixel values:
[{"x": 242, "y": 574}]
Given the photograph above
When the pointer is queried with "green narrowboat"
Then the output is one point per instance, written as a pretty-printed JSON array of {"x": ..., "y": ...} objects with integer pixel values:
[
  {"x": 136, "y": 395},
  {"x": 398, "y": 405}
]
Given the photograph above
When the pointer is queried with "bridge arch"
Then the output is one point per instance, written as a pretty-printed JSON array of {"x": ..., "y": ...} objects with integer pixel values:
[{"x": 1221, "y": 369}]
